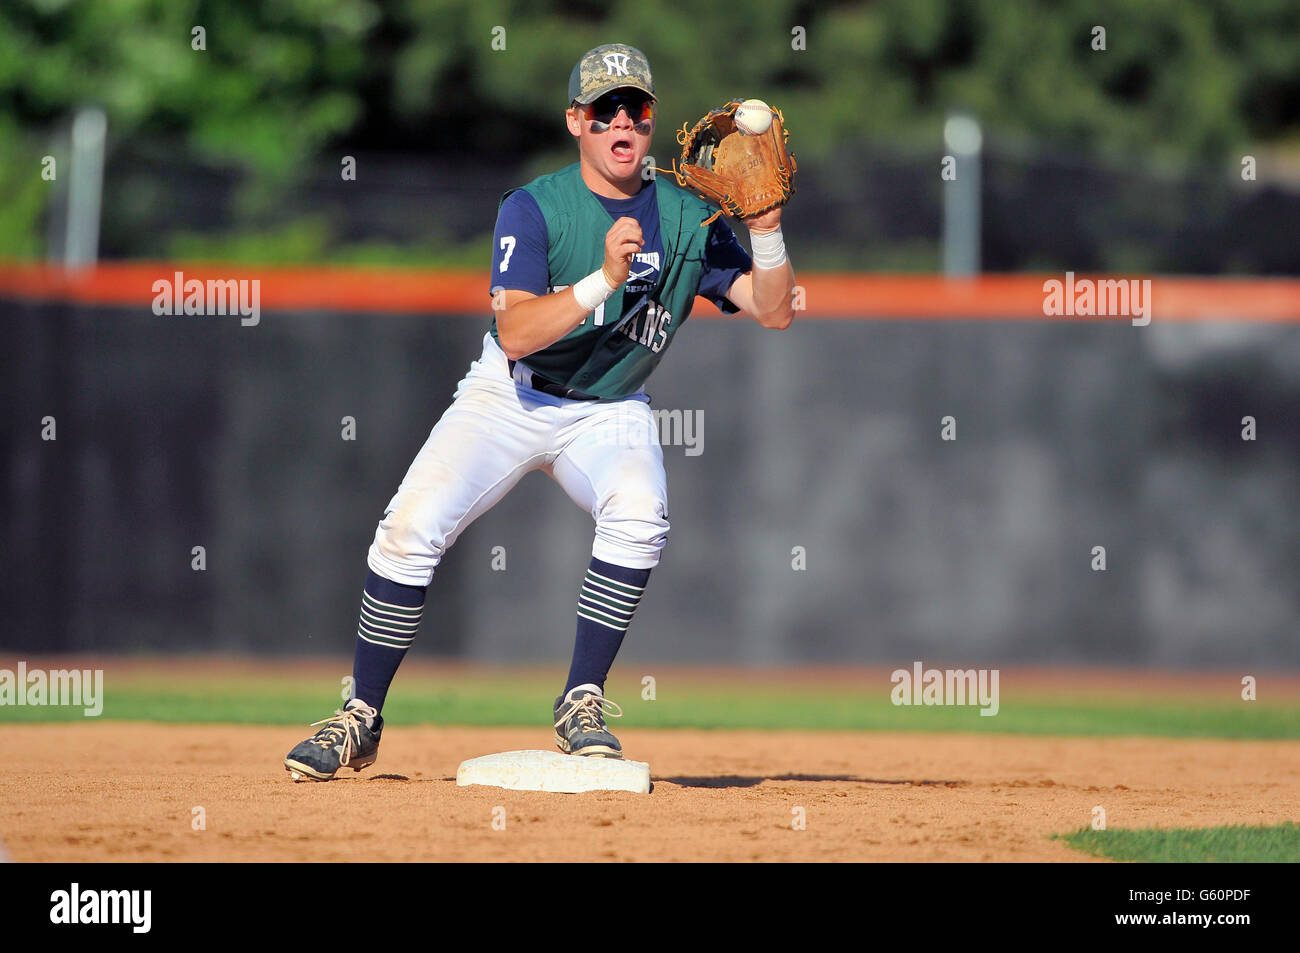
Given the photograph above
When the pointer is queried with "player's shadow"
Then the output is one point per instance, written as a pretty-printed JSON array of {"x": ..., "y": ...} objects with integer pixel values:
[{"x": 740, "y": 781}]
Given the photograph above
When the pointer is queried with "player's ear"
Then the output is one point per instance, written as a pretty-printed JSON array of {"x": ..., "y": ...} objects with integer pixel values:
[{"x": 573, "y": 121}]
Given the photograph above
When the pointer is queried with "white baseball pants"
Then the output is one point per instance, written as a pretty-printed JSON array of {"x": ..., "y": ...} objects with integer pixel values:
[{"x": 605, "y": 454}]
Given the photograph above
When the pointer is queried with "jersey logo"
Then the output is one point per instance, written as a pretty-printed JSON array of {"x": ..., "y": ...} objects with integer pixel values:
[
  {"x": 650, "y": 327},
  {"x": 615, "y": 64},
  {"x": 650, "y": 259}
]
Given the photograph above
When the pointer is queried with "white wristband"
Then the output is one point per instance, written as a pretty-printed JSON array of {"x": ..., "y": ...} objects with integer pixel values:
[
  {"x": 769, "y": 249},
  {"x": 593, "y": 291}
]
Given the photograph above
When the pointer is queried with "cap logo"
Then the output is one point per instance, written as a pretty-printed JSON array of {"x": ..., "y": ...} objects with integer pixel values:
[{"x": 615, "y": 64}]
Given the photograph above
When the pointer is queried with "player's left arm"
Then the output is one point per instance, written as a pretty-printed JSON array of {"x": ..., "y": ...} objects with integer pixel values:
[{"x": 766, "y": 294}]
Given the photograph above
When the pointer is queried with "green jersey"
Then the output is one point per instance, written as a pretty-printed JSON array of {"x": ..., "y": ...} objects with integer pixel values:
[{"x": 551, "y": 233}]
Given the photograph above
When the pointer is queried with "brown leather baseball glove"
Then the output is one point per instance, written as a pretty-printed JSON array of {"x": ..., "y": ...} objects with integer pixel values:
[{"x": 745, "y": 175}]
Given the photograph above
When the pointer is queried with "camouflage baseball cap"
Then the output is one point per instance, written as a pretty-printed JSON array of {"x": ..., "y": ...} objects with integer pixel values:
[{"x": 609, "y": 67}]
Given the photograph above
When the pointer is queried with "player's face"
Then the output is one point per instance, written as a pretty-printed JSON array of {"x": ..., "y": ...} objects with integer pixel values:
[{"x": 614, "y": 133}]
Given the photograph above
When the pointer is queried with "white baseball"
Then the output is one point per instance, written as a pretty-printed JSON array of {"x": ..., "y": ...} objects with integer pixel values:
[{"x": 753, "y": 117}]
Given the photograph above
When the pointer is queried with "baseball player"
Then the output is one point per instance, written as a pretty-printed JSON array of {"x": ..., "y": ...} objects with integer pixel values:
[{"x": 595, "y": 268}]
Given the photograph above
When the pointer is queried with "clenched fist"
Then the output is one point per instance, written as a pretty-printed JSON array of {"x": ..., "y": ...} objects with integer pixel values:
[{"x": 622, "y": 241}]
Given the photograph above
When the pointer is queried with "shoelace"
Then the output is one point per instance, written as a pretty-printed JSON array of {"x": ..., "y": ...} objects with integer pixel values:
[
  {"x": 346, "y": 722},
  {"x": 588, "y": 710}
]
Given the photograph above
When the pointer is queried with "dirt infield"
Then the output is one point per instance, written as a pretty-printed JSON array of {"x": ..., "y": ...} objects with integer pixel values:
[{"x": 128, "y": 791}]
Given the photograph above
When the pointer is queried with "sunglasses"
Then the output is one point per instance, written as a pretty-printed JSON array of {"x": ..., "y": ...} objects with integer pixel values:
[{"x": 601, "y": 114}]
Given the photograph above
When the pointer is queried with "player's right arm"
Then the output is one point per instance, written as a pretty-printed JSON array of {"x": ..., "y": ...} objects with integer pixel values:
[{"x": 528, "y": 321}]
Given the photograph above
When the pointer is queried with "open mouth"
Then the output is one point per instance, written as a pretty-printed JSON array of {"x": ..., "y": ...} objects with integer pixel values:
[{"x": 621, "y": 149}]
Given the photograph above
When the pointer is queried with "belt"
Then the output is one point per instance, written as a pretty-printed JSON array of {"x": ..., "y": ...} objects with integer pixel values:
[{"x": 522, "y": 375}]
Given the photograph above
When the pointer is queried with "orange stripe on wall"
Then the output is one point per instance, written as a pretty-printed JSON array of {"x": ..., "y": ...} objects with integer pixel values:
[
  {"x": 390, "y": 290},
  {"x": 827, "y": 296}
]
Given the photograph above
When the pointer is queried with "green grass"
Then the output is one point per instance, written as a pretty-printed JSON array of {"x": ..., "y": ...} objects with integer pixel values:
[
  {"x": 1236, "y": 844},
  {"x": 507, "y": 698}
]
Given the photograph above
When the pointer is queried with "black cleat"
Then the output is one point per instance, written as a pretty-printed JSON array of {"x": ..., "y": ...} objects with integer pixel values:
[
  {"x": 344, "y": 742},
  {"x": 580, "y": 723}
]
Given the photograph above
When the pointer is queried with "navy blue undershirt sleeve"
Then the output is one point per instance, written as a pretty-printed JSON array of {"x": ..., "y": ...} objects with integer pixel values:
[
  {"x": 519, "y": 247},
  {"x": 725, "y": 260}
]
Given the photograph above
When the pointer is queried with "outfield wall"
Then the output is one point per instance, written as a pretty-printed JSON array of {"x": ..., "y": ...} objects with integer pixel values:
[{"x": 181, "y": 432}]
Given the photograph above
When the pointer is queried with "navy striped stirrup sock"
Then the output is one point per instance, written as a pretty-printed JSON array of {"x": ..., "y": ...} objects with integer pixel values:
[
  {"x": 606, "y": 603},
  {"x": 390, "y": 615}
]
